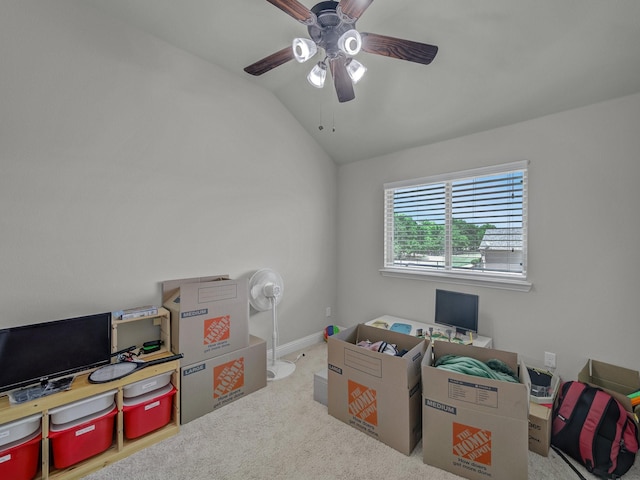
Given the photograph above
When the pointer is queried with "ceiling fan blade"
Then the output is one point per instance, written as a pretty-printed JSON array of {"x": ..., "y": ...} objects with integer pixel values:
[
  {"x": 354, "y": 8},
  {"x": 341, "y": 80},
  {"x": 398, "y": 48},
  {"x": 269, "y": 63},
  {"x": 296, "y": 10}
]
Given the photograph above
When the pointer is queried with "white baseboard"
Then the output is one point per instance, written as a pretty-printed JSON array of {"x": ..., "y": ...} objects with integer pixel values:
[{"x": 291, "y": 347}]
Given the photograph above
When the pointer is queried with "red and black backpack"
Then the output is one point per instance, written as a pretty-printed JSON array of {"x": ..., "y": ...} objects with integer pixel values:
[{"x": 595, "y": 429}]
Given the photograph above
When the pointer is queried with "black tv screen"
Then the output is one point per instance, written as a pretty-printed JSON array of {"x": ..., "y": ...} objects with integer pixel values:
[
  {"x": 457, "y": 310},
  {"x": 36, "y": 353}
]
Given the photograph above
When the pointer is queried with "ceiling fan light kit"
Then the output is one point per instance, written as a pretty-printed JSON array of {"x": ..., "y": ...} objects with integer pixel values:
[
  {"x": 303, "y": 49},
  {"x": 350, "y": 42},
  {"x": 332, "y": 26},
  {"x": 355, "y": 70},
  {"x": 317, "y": 75}
]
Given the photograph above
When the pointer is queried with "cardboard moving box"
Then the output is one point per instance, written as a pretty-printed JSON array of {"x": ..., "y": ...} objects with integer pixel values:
[
  {"x": 540, "y": 409},
  {"x": 208, "y": 318},
  {"x": 539, "y": 429},
  {"x": 475, "y": 427},
  {"x": 211, "y": 384},
  {"x": 617, "y": 381},
  {"x": 377, "y": 393}
]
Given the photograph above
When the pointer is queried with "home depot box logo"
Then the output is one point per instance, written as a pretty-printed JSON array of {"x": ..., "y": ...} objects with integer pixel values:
[
  {"x": 472, "y": 443},
  {"x": 363, "y": 403},
  {"x": 228, "y": 377},
  {"x": 217, "y": 329}
]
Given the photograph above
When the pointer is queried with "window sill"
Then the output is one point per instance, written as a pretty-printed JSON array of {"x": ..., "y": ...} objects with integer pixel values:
[{"x": 490, "y": 281}]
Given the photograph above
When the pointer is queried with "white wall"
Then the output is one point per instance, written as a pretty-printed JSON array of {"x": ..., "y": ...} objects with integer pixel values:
[
  {"x": 584, "y": 255},
  {"x": 126, "y": 162}
]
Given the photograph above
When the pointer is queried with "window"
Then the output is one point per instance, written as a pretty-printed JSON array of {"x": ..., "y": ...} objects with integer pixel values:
[{"x": 464, "y": 227}]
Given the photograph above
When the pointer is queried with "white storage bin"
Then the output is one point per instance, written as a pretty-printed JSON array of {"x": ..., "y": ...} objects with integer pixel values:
[
  {"x": 146, "y": 386},
  {"x": 60, "y": 427},
  {"x": 138, "y": 399},
  {"x": 18, "y": 430},
  {"x": 82, "y": 408}
]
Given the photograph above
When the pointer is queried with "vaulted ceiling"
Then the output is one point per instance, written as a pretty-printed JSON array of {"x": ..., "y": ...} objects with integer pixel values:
[{"x": 499, "y": 62}]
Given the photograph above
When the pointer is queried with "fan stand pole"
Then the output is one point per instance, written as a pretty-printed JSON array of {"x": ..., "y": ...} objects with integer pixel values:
[
  {"x": 278, "y": 368},
  {"x": 274, "y": 337}
]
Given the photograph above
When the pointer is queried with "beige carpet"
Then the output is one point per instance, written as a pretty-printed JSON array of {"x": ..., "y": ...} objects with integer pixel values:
[{"x": 280, "y": 432}]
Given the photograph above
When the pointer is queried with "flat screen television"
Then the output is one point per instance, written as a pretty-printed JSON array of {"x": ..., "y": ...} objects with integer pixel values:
[
  {"x": 457, "y": 310},
  {"x": 37, "y": 353}
]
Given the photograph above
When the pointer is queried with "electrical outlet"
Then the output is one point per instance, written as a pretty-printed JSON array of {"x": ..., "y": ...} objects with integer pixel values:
[
  {"x": 327, "y": 312},
  {"x": 549, "y": 359}
]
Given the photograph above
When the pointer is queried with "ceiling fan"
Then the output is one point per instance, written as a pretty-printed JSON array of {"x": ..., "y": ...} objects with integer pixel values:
[{"x": 332, "y": 27}]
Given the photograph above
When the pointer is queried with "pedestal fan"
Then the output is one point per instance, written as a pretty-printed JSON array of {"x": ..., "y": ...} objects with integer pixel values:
[{"x": 265, "y": 292}]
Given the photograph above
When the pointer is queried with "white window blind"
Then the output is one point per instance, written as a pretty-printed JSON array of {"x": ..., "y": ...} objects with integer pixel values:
[{"x": 472, "y": 223}]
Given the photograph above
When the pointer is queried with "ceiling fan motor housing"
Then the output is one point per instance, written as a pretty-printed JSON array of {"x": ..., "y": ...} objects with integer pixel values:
[{"x": 328, "y": 28}]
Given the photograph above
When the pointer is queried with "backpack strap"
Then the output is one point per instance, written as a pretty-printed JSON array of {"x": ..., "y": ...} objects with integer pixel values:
[
  {"x": 561, "y": 455},
  {"x": 597, "y": 410},
  {"x": 567, "y": 404}
]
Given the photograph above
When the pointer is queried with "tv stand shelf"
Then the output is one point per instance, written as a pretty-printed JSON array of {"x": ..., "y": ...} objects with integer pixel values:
[
  {"x": 160, "y": 319},
  {"x": 81, "y": 389}
]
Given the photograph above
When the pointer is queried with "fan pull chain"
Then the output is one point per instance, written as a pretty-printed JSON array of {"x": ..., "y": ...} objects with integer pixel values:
[
  {"x": 321, "y": 126},
  {"x": 333, "y": 118}
]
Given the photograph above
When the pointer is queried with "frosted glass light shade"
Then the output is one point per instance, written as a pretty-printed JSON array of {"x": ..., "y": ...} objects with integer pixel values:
[
  {"x": 350, "y": 42},
  {"x": 355, "y": 70},
  {"x": 303, "y": 49},
  {"x": 317, "y": 75}
]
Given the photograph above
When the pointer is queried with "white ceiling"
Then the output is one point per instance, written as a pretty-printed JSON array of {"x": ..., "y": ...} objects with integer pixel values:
[{"x": 499, "y": 62}]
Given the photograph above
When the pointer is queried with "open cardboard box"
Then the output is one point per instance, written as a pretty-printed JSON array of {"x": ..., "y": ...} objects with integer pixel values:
[
  {"x": 540, "y": 413},
  {"x": 377, "y": 393},
  {"x": 617, "y": 381},
  {"x": 540, "y": 428},
  {"x": 475, "y": 427}
]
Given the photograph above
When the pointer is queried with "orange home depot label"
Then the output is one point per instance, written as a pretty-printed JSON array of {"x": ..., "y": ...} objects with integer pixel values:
[
  {"x": 363, "y": 403},
  {"x": 217, "y": 329},
  {"x": 228, "y": 377},
  {"x": 472, "y": 443}
]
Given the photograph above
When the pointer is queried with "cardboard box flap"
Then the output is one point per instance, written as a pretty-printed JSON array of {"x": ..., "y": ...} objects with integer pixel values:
[
  {"x": 170, "y": 287},
  {"x": 173, "y": 302},
  {"x": 618, "y": 381}
]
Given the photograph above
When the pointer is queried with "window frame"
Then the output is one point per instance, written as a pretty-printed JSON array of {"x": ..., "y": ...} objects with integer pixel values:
[{"x": 507, "y": 280}]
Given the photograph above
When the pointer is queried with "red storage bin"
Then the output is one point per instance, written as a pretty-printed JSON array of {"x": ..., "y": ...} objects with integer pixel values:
[
  {"x": 20, "y": 460},
  {"x": 75, "y": 441},
  {"x": 148, "y": 412}
]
